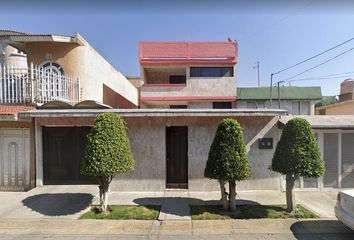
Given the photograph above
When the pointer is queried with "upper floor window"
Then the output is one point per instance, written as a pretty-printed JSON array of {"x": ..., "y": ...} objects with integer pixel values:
[
  {"x": 178, "y": 106},
  {"x": 53, "y": 68},
  {"x": 177, "y": 79},
  {"x": 222, "y": 105},
  {"x": 212, "y": 72}
]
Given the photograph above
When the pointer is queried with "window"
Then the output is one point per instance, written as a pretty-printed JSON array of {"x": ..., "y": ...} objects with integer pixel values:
[
  {"x": 52, "y": 83},
  {"x": 222, "y": 105},
  {"x": 53, "y": 68},
  {"x": 212, "y": 72},
  {"x": 177, "y": 79},
  {"x": 178, "y": 106}
]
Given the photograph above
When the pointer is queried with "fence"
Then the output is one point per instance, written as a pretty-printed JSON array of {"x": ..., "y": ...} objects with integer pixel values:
[{"x": 35, "y": 84}]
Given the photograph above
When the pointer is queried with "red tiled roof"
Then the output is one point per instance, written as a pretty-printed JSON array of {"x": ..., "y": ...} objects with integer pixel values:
[
  {"x": 185, "y": 52},
  {"x": 13, "y": 109}
]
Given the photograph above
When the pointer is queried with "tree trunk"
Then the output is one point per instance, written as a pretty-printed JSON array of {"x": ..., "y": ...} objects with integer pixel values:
[
  {"x": 223, "y": 195},
  {"x": 290, "y": 195},
  {"x": 232, "y": 195},
  {"x": 104, "y": 187},
  {"x": 105, "y": 200}
]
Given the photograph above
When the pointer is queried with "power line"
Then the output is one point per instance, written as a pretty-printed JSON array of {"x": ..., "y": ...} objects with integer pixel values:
[
  {"x": 310, "y": 58},
  {"x": 315, "y": 79},
  {"x": 329, "y": 76},
  {"x": 318, "y": 65},
  {"x": 297, "y": 64}
]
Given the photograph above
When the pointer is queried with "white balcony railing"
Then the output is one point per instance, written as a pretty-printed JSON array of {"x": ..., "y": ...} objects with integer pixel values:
[{"x": 34, "y": 84}]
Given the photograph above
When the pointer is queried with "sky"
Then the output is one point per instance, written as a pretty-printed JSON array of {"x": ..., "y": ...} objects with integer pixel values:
[{"x": 278, "y": 34}]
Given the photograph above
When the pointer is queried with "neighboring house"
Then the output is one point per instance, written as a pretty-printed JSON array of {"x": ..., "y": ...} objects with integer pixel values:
[
  {"x": 335, "y": 138},
  {"x": 37, "y": 69},
  {"x": 64, "y": 68},
  {"x": 345, "y": 105},
  {"x": 296, "y": 100},
  {"x": 188, "y": 74},
  {"x": 10, "y": 55}
]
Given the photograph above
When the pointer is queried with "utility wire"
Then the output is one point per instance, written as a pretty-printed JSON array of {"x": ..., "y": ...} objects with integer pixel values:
[
  {"x": 329, "y": 76},
  {"x": 318, "y": 65},
  {"x": 311, "y": 79},
  {"x": 310, "y": 58},
  {"x": 314, "y": 79}
]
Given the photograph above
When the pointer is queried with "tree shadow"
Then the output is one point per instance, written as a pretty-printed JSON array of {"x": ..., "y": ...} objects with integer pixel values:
[
  {"x": 58, "y": 204},
  {"x": 179, "y": 206},
  {"x": 321, "y": 229}
]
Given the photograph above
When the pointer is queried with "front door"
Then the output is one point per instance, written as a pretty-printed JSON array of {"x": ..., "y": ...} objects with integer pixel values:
[{"x": 177, "y": 157}]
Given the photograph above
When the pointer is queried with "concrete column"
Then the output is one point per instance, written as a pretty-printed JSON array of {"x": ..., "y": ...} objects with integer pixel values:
[
  {"x": 321, "y": 147},
  {"x": 339, "y": 160},
  {"x": 39, "y": 154},
  {"x": 312, "y": 107}
]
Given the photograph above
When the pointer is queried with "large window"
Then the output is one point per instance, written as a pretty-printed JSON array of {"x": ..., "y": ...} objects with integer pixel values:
[{"x": 212, "y": 71}]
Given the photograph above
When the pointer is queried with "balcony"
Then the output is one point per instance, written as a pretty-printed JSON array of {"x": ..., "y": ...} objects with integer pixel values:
[
  {"x": 159, "y": 91},
  {"x": 36, "y": 85}
]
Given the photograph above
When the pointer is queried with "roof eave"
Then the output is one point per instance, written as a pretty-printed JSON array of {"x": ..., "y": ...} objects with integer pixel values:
[{"x": 152, "y": 112}]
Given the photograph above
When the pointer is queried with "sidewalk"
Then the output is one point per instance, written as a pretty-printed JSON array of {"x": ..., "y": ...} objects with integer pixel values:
[{"x": 69, "y": 202}]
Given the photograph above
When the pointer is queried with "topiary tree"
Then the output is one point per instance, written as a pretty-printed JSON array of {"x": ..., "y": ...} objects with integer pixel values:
[
  {"x": 227, "y": 160},
  {"x": 297, "y": 155},
  {"x": 107, "y": 153}
]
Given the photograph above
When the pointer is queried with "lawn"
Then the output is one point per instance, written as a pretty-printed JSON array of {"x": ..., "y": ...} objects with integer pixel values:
[
  {"x": 248, "y": 212},
  {"x": 122, "y": 212}
]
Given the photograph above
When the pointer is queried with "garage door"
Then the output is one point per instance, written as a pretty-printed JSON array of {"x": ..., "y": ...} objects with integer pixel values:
[
  {"x": 63, "y": 149},
  {"x": 14, "y": 159}
]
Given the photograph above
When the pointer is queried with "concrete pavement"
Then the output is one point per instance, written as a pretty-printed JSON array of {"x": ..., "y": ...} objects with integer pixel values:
[
  {"x": 209, "y": 229},
  {"x": 51, "y": 212},
  {"x": 69, "y": 201}
]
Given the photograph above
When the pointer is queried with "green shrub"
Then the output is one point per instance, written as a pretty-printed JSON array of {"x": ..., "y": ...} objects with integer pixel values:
[
  {"x": 297, "y": 155},
  {"x": 227, "y": 160},
  {"x": 107, "y": 152},
  {"x": 297, "y": 152}
]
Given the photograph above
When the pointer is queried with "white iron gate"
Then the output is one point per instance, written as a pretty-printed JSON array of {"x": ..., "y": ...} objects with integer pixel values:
[{"x": 14, "y": 159}]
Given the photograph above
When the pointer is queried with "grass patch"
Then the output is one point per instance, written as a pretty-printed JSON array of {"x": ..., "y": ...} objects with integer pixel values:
[
  {"x": 122, "y": 212},
  {"x": 248, "y": 212}
]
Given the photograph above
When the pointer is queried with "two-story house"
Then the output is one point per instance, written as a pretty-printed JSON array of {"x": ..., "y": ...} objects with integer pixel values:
[
  {"x": 183, "y": 87},
  {"x": 40, "y": 69}
]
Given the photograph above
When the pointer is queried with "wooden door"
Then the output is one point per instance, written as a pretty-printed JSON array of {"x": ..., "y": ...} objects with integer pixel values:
[{"x": 177, "y": 157}]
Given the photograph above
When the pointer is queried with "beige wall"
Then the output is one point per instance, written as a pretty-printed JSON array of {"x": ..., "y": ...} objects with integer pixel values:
[
  {"x": 84, "y": 62},
  {"x": 341, "y": 108},
  {"x": 10, "y": 56}
]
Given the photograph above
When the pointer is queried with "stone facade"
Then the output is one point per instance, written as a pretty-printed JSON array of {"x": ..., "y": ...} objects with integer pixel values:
[{"x": 147, "y": 137}]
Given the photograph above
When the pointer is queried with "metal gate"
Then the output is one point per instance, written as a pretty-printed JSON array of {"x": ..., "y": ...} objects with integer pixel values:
[{"x": 14, "y": 159}]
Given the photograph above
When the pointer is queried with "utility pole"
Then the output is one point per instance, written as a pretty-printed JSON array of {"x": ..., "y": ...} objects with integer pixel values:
[
  {"x": 257, "y": 66},
  {"x": 271, "y": 88}
]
